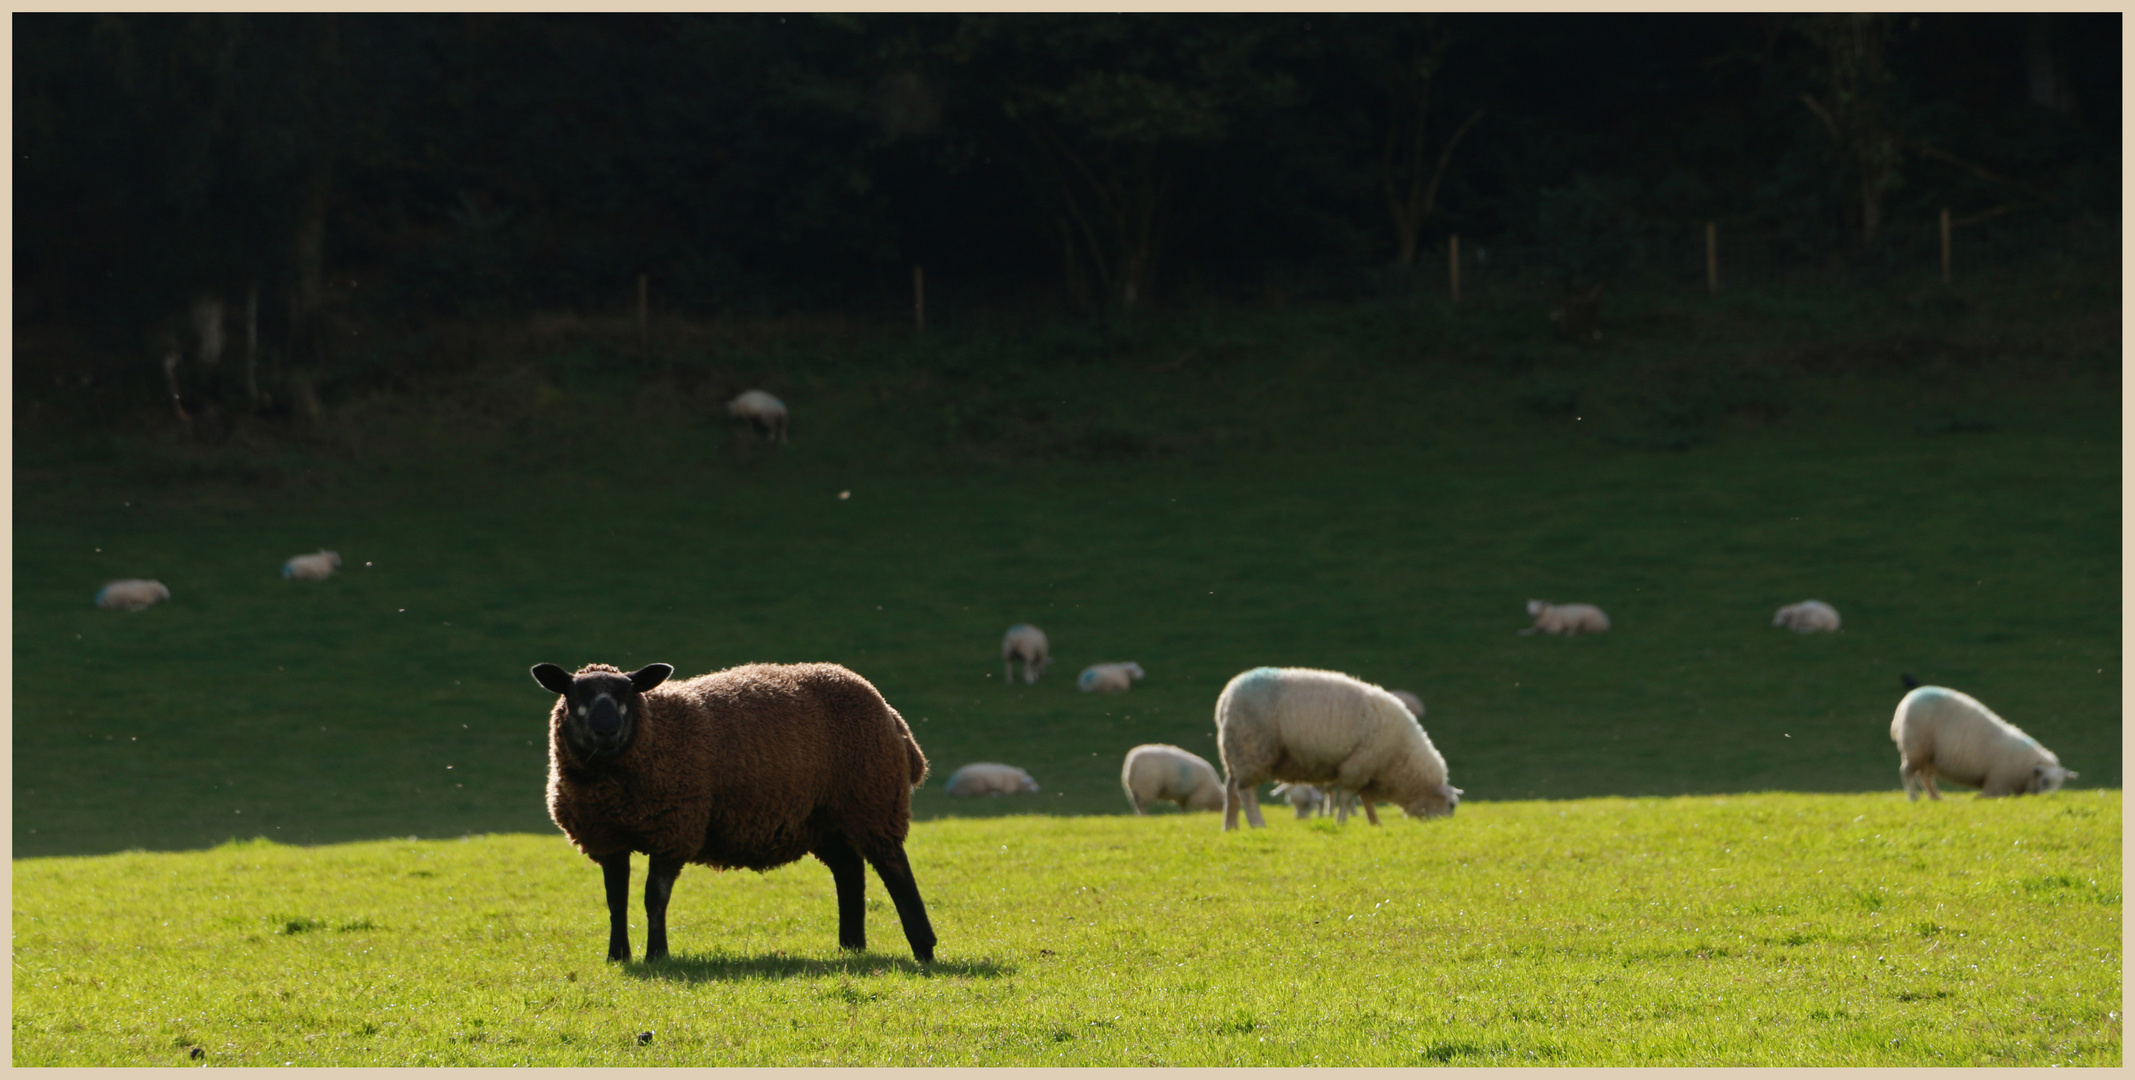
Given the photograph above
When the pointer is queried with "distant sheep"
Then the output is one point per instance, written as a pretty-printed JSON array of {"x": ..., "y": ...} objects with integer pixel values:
[
  {"x": 1328, "y": 729},
  {"x": 1941, "y": 732},
  {"x": 1565, "y": 618},
  {"x": 1303, "y": 798},
  {"x": 1807, "y": 617},
  {"x": 1026, "y": 643},
  {"x": 990, "y": 778},
  {"x": 1109, "y": 678},
  {"x": 1156, "y": 772},
  {"x": 754, "y": 766},
  {"x": 766, "y": 413},
  {"x": 131, "y": 594},
  {"x": 315, "y": 567},
  {"x": 1414, "y": 703}
]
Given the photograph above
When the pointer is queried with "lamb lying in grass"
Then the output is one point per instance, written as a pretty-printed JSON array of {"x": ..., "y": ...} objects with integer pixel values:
[
  {"x": 1155, "y": 772},
  {"x": 1108, "y": 678},
  {"x": 1941, "y": 732},
  {"x": 314, "y": 567},
  {"x": 990, "y": 778},
  {"x": 1807, "y": 617},
  {"x": 1565, "y": 618},
  {"x": 131, "y": 594}
]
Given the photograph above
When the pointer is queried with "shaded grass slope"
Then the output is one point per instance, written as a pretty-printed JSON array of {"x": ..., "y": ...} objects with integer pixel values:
[{"x": 1374, "y": 489}]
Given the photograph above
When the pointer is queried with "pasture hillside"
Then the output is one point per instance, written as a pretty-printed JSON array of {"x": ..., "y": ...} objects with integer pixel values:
[
  {"x": 1374, "y": 487},
  {"x": 1765, "y": 929}
]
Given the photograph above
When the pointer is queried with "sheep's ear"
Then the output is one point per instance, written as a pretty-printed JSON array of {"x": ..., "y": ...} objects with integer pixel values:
[
  {"x": 649, "y": 676},
  {"x": 553, "y": 679}
]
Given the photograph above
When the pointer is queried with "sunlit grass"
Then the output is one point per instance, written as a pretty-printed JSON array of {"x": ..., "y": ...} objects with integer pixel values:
[{"x": 1707, "y": 930}]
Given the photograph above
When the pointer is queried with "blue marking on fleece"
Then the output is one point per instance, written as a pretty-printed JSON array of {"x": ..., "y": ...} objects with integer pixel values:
[
  {"x": 289, "y": 569},
  {"x": 1086, "y": 679},
  {"x": 100, "y": 595}
]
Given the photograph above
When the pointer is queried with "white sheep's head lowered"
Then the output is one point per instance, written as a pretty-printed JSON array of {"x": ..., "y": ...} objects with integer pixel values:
[
  {"x": 600, "y": 707},
  {"x": 1438, "y": 802}
]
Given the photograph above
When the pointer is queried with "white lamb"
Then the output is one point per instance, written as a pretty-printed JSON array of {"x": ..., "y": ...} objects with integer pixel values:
[
  {"x": 1325, "y": 728},
  {"x": 314, "y": 567},
  {"x": 1155, "y": 772},
  {"x": 1026, "y": 643},
  {"x": 990, "y": 778},
  {"x": 1565, "y": 618},
  {"x": 767, "y": 413},
  {"x": 1414, "y": 703},
  {"x": 1807, "y": 617},
  {"x": 1310, "y": 801},
  {"x": 1303, "y": 798},
  {"x": 131, "y": 594},
  {"x": 1941, "y": 732},
  {"x": 1109, "y": 678}
]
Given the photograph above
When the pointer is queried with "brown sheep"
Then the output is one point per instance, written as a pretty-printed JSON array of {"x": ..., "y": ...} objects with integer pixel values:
[{"x": 754, "y": 766}]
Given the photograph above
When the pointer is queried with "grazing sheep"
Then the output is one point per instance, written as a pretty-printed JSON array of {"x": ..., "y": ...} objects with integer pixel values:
[
  {"x": 1325, "y": 728},
  {"x": 1109, "y": 678},
  {"x": 1565, "y": 618},
  {"x": 1807, "y": 617},
  {"x": 754, "y": 766},
  {"x": 131, "y": 594},
  {"x": 1303, "y": 798},
  {"x": 1026, "y": 643},
  {"x": 1941, "y": 732},
  {"x": 1414, "y": 703},
  {"x": 1159, "y": 771},
  {"x": 1310, "y": 801},
  {"x": 990, "y": 778},
  {"x": 766, "y": 413},
  {"x": 312, "y": 567}
]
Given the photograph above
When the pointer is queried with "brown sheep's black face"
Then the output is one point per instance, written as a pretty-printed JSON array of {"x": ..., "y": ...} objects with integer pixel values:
[{"x": 600, "y": 707}]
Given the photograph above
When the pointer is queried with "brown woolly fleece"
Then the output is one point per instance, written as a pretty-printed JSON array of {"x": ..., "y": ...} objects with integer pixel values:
[{"x": 747, "y": 767}]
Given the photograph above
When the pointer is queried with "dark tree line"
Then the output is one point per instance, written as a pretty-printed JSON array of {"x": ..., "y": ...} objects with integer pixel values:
[{"x": 470, "y": 163}]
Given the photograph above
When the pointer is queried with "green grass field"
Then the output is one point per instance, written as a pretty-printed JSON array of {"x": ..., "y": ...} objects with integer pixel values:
[
  {"x": 1373, "y": 488},
  {"x": 1770, "y": 929}
]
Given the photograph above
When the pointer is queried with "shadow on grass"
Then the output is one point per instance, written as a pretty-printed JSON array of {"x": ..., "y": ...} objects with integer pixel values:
[{"x": 724, "y": 968}]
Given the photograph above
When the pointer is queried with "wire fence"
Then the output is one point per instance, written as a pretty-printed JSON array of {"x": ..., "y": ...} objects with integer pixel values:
[{"x": 1688, "y": 258}]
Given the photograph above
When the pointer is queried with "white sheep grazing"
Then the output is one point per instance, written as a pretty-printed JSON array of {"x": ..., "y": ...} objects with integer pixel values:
[
  {"x": 1325, "y": 728},
  {"x": 1026, "y": 643},
  {"x": 1414, "y": 703},
  {"x": 315, "y": 567},
  {"x": 990, "y": 778},
  {"x": 131, "y": 594},
  {"x": 1154, "y": 772},
  {"x": 1109, "y": 678},
  {"x": 1303, "y": 798},
  {"x": 1565, "y": 618},
  {"x": 767, "y": 413},
  {"x": 1807, "y": 617},
  {"x": 1941, "y": 732}
]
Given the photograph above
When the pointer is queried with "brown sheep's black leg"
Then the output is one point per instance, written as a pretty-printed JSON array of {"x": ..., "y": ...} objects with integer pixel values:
[
  {"x": 896, "y": 876},
  {"x": 659, "y": 885},
  {"x": 851, "y": 877},
  {"x": 615, "y": 870}
]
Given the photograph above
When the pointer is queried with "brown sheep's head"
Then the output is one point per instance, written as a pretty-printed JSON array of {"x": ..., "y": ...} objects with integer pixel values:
[{"x": 601, "y": 704}]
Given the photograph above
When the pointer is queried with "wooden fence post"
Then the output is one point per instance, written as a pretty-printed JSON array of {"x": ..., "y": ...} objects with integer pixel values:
[
  {"x": 919, "y": 298},
  {"x": 1453, "y": 264},
  {"x": 1945, "y": 246},
  {"x": 1712, "y": 258}
]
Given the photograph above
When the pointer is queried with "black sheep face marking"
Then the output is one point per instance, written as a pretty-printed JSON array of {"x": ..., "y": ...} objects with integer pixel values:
[{"x": 600, "y": 707}]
